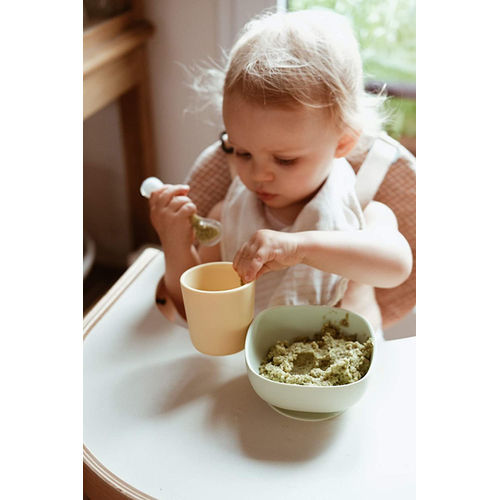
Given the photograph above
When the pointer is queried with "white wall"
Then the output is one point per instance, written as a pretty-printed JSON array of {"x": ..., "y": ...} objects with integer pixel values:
[{"x": 187, "y": 32}]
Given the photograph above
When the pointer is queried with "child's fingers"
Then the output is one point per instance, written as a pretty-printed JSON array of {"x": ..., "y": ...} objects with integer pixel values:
[
  {"x": 187, "y": 210},
  {"x": 178, "y": 202},
  {"x": 162, "y": 197},
  {"x": 237, "y": 265},
  {"x": 249, "y": 261}
]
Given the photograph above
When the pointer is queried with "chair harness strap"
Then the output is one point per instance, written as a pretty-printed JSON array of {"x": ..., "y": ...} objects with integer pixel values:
[{"x": 372, "y": 172}]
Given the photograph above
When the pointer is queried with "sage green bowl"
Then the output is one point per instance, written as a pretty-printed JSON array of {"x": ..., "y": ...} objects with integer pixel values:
[{"x": 287, "y": 323}]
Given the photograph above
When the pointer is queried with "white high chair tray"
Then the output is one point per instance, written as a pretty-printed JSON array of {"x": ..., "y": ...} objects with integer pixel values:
[{"x": 164, "y": 421}]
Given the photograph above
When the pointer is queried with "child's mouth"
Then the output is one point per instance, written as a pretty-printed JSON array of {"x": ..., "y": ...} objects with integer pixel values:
[{"x": 265, "y": 196}]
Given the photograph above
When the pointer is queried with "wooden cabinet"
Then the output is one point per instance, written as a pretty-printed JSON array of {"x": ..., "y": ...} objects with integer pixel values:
[{"x": 115, "y": 69}]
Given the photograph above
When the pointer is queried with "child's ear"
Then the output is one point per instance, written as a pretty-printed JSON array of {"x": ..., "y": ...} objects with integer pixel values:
[{"x": 346, "y": 144}]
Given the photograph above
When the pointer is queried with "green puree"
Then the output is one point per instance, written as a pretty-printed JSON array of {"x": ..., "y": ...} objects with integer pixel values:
[
  {"x": 329, "y": 358},
  {"x": 204, "y": 232}
]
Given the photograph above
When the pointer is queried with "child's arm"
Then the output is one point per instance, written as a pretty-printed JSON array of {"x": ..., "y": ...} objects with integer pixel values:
[
  {"x": 378, "y": 255},
  {"x": 170, "y": 210}
]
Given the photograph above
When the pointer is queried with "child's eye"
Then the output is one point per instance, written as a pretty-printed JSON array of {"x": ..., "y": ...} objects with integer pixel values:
[
  {"x": 244, "y": 156},
  {"x": 285, "y": 161}
]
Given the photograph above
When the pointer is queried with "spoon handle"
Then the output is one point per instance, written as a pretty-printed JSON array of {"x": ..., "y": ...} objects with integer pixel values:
[
  {"x": 149, "y": 185},
  {"x": 207, "y": 231}
]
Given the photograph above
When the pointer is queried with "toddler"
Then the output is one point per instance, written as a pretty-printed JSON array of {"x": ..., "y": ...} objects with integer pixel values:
[{"x": 293, "y": 106}]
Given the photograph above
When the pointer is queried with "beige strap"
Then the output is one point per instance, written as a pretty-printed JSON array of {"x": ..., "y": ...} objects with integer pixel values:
[{"x": 372, "y": 172}]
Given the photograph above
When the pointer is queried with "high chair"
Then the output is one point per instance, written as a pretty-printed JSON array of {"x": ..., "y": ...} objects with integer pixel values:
[{"x": 162, "y": 420}]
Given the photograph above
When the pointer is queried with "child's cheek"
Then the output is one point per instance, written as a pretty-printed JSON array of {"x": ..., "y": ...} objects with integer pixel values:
[{"x": 243, "y": 175}]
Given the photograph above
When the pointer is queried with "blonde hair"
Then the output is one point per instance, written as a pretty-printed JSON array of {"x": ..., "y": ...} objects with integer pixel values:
[{"x": 308, "y": 57}]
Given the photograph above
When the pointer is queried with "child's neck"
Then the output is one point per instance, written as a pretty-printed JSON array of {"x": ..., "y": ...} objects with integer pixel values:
[
  {"x": 287, "y": 215},
  {"x": 283, "y": 216}
]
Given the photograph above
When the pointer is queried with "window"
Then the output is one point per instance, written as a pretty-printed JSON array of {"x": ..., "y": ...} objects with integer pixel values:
[{"x": 385, "y": 30}]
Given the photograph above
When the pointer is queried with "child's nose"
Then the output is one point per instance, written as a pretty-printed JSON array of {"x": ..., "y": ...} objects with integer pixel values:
[{"x": 262, "y": 172}]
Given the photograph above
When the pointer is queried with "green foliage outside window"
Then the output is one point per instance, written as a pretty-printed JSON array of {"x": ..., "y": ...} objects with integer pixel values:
[{"x": 385, "y": 30}]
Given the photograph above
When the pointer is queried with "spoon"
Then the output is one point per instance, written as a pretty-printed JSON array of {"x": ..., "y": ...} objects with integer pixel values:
[{"x": 207, "y": 231}]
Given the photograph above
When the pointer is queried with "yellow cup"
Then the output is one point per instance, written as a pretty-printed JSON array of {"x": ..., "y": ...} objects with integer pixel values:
[{"x": 219, "y": 309}]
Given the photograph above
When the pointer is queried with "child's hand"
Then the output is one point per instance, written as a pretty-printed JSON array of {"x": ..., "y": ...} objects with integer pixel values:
[
  {"x": 170, "y": 212},
  {"x": 266, "y": 251}
]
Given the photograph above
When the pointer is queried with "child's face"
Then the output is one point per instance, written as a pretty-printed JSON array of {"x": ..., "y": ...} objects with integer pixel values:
[{"x": 281, "y": 154}]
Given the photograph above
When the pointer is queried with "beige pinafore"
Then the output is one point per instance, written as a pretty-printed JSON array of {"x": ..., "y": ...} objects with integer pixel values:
[{"x": 335, "y": 207}]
